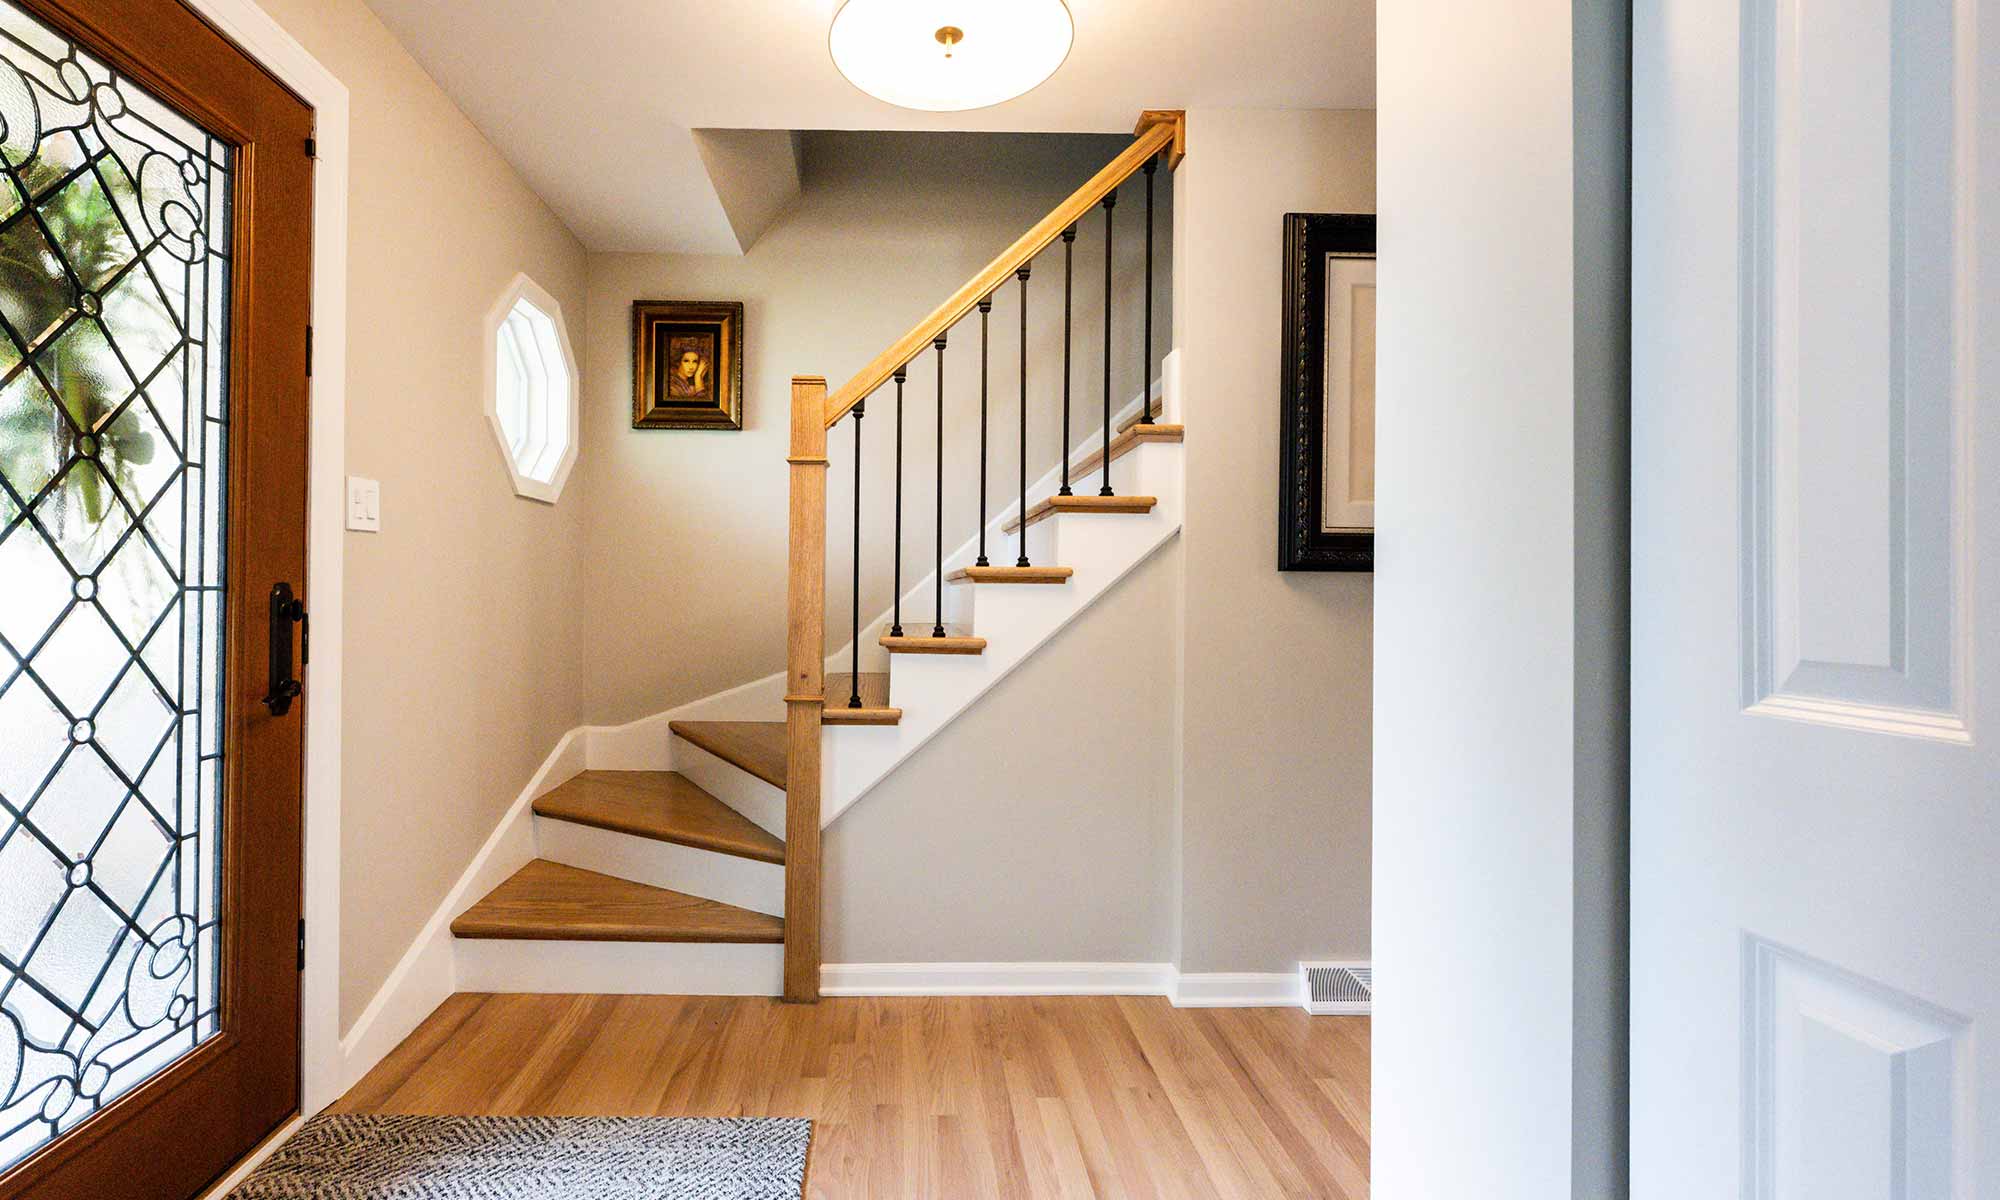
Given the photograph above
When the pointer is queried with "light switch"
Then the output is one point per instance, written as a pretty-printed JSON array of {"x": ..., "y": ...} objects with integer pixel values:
[{"x": 364, "y": 505}]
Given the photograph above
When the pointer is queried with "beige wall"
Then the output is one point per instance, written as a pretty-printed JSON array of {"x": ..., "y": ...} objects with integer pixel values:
[
  {"x": 1275, "y": 719},
  {"x": 461, "y": 664},
  {"x": 687, "y": 533}
]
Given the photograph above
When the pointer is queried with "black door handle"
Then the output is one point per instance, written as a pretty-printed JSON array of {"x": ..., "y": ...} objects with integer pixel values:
[{"x": 286, "y": 610}]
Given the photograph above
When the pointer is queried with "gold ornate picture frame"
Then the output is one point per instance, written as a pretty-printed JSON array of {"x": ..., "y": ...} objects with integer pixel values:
[{"x": 687, "y": 364}]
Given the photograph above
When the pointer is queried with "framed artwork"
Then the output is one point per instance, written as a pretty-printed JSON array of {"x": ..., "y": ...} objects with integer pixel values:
[
  {"x": 1326, "y": 494},
  {"x": 687, "y": 364}
]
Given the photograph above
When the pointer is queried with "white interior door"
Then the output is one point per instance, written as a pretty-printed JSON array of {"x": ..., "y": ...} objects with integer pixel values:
[{"x": 1816, "y": 611}]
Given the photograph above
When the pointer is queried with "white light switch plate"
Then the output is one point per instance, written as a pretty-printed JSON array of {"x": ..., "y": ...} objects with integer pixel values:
[{"x": 364, "y": 505}]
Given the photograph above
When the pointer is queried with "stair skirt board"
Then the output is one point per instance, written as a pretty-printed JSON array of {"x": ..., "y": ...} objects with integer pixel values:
[{"x": 712, "y": 875}]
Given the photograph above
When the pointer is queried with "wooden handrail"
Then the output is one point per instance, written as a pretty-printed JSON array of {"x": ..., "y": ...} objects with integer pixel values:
[{"x": 1159, "y": 129}]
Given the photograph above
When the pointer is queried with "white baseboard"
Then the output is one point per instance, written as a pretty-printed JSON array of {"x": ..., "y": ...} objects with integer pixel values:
[
  {"x": 995, "y": 979},
  {"x": 1237, "y": 990},
  {"x": 1221, "y": 990},
  {"x": 427, "y": 974}
]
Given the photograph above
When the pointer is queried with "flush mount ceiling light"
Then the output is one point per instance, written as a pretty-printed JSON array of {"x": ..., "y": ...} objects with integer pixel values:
[{"x": 949, "y": 55}]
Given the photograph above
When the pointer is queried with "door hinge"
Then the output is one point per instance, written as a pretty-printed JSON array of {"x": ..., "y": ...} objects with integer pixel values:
[
  {"x": 309, "y": 352},
  {"x": 312, "y": 147},
  {"x": 305, "y": 640},
  {"x": 302, "y": 943}
]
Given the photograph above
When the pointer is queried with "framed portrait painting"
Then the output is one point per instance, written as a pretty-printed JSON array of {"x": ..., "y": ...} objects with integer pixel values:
[
  {"x": 687, "y": 359},
  {"x": 1326, "y": 505}
]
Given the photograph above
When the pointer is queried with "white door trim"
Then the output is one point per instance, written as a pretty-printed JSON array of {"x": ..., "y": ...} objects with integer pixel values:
[{"x": 263, "y": 39}]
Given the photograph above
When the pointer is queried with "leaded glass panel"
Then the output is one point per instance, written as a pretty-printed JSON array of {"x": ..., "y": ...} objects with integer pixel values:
[{"x": 114, "y": 288}]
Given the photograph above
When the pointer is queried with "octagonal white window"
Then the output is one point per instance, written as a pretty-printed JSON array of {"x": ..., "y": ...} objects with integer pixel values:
[{"x": 531, "y": 383}]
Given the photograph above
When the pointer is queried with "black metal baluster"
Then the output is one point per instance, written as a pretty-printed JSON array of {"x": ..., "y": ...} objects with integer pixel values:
[
  {"x": 1146, "y": 375},
  {"x": 1110, "y": 202},
  {"x": 1022, "y": 275},
  {"x": 985, "y": 309},
  {"x": 854, "y": 697},
  {"x": 896, "y": 602},
  {"x": 937, "y": 598},
  {"x": 1069, "y": 264}
]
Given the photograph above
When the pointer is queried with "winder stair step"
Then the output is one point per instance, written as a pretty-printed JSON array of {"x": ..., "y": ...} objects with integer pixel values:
[
  {"x": 756, "y": 746},
  {"x": 546, "y": 901},
  {"x": 665, "y": 806}
]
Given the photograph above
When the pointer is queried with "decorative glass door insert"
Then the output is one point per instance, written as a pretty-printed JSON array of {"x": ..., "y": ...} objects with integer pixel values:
[{"x": 114, "y": 295}]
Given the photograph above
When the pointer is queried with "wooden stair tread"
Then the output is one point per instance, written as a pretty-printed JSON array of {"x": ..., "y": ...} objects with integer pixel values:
[
  {"x": 1051, "y": 505},
  {"x": 875, "y": 708},
  {"x": 1011, "y": 575},
  {"x": 665, "y": 806},
  {"x": 756, "y": 746},
  {"x": 836, "y": 712},
  {"x": 1131, "y": 439},
  {"x": 546, "y": 901},
  {"x": 926, "y": 644}
]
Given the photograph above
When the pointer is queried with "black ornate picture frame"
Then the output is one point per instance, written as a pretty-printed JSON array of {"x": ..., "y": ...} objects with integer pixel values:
[{"x": 1305, "y": 543}]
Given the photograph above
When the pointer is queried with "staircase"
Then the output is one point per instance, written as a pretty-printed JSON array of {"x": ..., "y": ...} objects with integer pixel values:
[{"x": 705, "y": 877}]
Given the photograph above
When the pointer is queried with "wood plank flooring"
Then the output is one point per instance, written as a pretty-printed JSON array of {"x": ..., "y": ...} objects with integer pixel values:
[{"x": 951, "y": 1098}]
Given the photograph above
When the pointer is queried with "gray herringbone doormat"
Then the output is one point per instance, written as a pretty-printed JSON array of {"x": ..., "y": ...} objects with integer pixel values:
[{"x": 536, "y": 1158}]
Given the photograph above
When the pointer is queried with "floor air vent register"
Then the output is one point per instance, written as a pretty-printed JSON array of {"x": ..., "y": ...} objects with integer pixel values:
[{"x": 1337, "y": 989}]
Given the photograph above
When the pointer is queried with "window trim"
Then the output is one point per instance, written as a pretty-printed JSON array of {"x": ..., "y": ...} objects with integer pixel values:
[{"x": 524, "y": 288}]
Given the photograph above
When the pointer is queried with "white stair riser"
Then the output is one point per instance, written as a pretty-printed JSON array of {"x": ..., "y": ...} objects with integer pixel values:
[
  {"x": 619, "y": 968},
  {"x": 763, "y": 804},
  {"x": 744, "y": 882}
]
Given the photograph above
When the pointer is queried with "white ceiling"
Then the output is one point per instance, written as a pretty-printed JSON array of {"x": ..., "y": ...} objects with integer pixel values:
[{"x": 593, "y": 101}]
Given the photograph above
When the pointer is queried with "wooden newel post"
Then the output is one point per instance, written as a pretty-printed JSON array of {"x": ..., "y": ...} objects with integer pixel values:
[{"x": 805, "y": 687}]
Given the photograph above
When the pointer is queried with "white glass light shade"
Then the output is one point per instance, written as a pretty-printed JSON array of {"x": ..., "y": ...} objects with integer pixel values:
[{"x": 949, "y": 55}]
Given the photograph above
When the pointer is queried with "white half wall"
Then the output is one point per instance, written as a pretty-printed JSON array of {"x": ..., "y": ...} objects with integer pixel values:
[{"x": 1497, "y": 575}]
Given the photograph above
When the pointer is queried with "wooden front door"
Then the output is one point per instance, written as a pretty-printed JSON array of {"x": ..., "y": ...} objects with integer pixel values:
[{"x": 155, "y": 209}]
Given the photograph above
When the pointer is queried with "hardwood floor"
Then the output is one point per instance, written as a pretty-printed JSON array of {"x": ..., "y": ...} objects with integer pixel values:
[{"x": 953, "y": 1098}]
